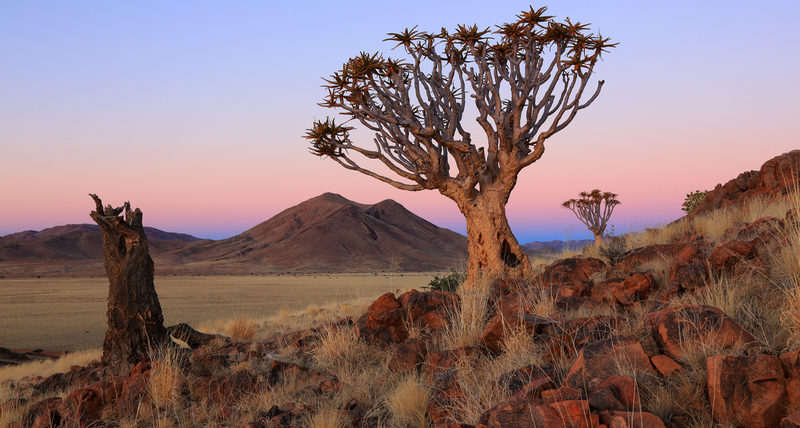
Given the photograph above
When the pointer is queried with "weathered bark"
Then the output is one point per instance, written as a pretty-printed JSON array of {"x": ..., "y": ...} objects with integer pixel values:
[
  {"x": 493, "y": 250},
  {"x": 135, "y": 321},
  {"x": 598, "y": 237}
]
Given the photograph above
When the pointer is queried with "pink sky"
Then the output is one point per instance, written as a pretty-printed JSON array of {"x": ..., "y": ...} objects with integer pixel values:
[{"x": 195, "y": 112}]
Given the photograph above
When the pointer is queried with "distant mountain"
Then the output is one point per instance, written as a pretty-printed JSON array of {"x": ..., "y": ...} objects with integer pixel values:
[
  {"x": 76, "y": 242},
  {"x": 328, "y": 233},
  {"x": 544, "y": 248},
  {"x": 332, "y": 233}
]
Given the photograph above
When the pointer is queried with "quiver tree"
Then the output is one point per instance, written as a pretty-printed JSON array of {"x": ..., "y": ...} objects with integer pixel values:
[
  {"x": 593, "y": 209},
  {"x": 526, "y": 81},
  {"x": 135, "y": 322}
]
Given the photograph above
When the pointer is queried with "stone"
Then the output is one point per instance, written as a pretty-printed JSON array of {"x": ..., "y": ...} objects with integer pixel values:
[
  {"x": 408, "y": 356},
  {"x": 564, "y": 393},
  {"x": 618, "y": 355},
  {"x": 633, "y": 288},
  {"x": 515, "y": 413},
  {"x": 628, "y": 419},
  {"x": 44, "y": 414},
  {"x": 665, "y": 365},
  {"x": 574, "y": 270},
  {"x": 726, "y": 256},
  {"x": 84, "y": 406},
  {"x": 791, "y": 421},
  {"x": 791, "y": 367},
  {"x": 430, "y": 310},
  {"x": 500, "y": 325},
  {"x": 615, "y": 393},
  {"x": 676, "y": 330},
  {"x": 383, "y": 323},
  {"x": 746, "y": 390}
]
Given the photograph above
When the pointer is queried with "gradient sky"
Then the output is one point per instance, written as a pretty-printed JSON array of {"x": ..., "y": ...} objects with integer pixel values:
[{"x": 194, "y": 110}]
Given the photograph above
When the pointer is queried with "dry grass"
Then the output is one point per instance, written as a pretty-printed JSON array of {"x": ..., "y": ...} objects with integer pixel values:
[
  {"x": 326, "y": 418},
  {"x": 242, "y": 329},
  {"x": 658, "y": 235},
  {"x": 408, "y": 403},
  {"x": 166, "y": 380},
  {"x": 468, "y": 321},
  {"x": 46, "y": 368}
]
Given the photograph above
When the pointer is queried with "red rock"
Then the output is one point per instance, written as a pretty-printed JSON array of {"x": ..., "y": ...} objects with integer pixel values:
[
  {"x": 564, "y": 393},
  {"x": 791, "y": 421},
  {"x": 134, "y": 390},
  {"x": 437, "y": 363},
  {"x": 520, "y": 413},
  {"x": 383, "y": 323},
  {"x": 574, "y": 270},
  {"x": 726, "y": 256},
  {"x": 224, "y": 390},
  {"x": 43, "y": 414},
  {"x": 566, "y": 340},
  {"x": 746, "y": 390},
  {"x": 496, "y": 329},
  {"x": 408, "y": 355},
  {"x": 431, "y": 310},
  {"x": 615, "y": 393},
  {"x": 777, "y": 176},
  {"x": 597, "y": 361},
  {"x": 84, "y": 406},
  {"x": 627, "y": 419},
  {"x": 665, "y": 365},
  {"x": 632, "y": 289},
  {"x": 676, "y": 329},
  {"x": 638, "y": 257},
  {"x": 791, "y": 367},
  {"x": 534, "y": 388},
  {"x": 689, "y": 270}
]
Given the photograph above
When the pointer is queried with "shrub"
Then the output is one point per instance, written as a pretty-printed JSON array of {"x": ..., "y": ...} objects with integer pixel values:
[
  {"x": 449, "y": 283},
  {"x": 693, "y": 199},
  {"x": 614, "y": 249}
]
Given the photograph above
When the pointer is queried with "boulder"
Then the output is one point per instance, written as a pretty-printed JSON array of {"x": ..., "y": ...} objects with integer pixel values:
[
  {"x": 677, "y": 251},
  {"x": 615, "y": 393},
  {"x": 776, "y": 176},
  {"x": 676, "y": 330},
  {"x": 500, "y": 325},
  {"x": 565, "y": 340},
  {"x": 44, "y": 414},
  {"x": 791, "y": 421},
  {"x": 665, "y": 365},
  {"x": 133, "y": 390},
  {"x": 84, "y": 406},
  {"x": 627, "y": 419},
  {"x": 791, "y": 367},
  {"x": 746, "y": 390},
  {"x": 574, "y": 270},
  {"x": 726, "y": 256},
  {"x": 383, "y": 323},
  {"x": 514, "y": 413},
  {"x": 430, "y": 310},
  {"x": 407, "y": 356},
  {"x": 618, "y": 355},
  {"x": 564, "y": 393}
]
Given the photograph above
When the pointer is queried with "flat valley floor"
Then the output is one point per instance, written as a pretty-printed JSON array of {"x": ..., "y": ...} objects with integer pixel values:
[{"x": 67, "y": 314}]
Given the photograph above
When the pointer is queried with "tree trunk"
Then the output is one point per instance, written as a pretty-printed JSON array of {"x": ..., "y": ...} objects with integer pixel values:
[
  {"x": 598, "y": 237},
  {"x": 493, "y": 250},
  {"x": 135, "y": 322}
]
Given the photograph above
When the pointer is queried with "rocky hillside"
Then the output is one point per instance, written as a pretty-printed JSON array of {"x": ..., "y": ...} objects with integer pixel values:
[
  {"x": 546, "y": 248},
  {"x": 697, "y": 324}
]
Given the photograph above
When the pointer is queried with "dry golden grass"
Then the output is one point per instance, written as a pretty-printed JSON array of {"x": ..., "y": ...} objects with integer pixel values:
[
  {"x": 242, "y": 329},
  {"x": 46, "y": 368},
  {"x": 468, "y": 321},
  {"x": 408, "y": 403},
  {"x": 326, "y": 418},
  {"x": 166, "y": 380}
]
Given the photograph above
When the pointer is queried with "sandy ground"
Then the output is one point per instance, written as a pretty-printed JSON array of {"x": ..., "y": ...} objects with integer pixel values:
[{"x": 69, "y": 313}]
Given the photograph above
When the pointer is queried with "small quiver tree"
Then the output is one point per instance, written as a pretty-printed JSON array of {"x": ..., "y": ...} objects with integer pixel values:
[
  {"x": 593, "y": 209},
  {"x": 527, "y": 82},
  {"x": 135, "y": 322}
]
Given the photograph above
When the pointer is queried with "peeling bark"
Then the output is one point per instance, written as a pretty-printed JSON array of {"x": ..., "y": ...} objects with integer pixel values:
[
  {"x": 135, "y": 321},
  {"x": 494, "y": 252}
]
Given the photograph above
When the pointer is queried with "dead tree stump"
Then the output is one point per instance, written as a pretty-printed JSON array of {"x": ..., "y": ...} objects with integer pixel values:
[{"x": 135, "y": 321}]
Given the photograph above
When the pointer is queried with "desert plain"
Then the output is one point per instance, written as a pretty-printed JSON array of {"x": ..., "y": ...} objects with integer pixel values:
[{"x": 68, "y": 314}]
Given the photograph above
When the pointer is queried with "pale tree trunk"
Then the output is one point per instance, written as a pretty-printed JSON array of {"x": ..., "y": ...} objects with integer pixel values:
[
  {"x": 135, "y": 321},
  {"x": 493, "y": 250},
  {"x": 598, "y": 238}
]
